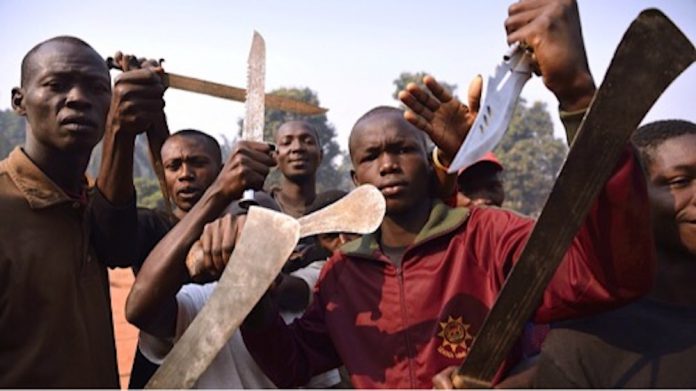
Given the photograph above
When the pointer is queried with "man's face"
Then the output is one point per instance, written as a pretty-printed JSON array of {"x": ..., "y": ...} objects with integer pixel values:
[
  {"x": 482, "y": 185},
  {"x": 66, "y": 97},
  {"x": 190, "y": 167},
  {"x": 672, "y": 192},
  {"x": 298, "y": 150},
  {"x": 389, "y": 153}
]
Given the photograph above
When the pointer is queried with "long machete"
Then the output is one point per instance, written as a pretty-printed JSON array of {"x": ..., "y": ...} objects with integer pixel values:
[
  {"x": 278, "y": 102},
  {"x": 361, "y": 212},
  {"x": 652, "y": 53},
  {"x": 249, "y": 272}
]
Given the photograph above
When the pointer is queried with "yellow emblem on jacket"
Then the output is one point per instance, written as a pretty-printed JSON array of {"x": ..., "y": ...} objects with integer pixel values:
[{"x": 455, "y": 335}]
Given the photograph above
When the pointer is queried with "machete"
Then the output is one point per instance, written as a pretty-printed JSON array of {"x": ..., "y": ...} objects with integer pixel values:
[
  {"x": 651, "y": 54},
  {"x": 361, "y": 212},
  {"x": 248, "y": 274},
  {"x": 255, "y": 104},
  {"x": 277, "y": 102},
  {"x": 205, "y": 87}
]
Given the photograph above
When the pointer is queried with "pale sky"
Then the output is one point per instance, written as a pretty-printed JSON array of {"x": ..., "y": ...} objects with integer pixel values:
[{"x": 349, "y": 52}]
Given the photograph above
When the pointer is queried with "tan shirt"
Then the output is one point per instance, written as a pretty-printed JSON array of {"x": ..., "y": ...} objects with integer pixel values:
[{"x": 55, "y": 314}]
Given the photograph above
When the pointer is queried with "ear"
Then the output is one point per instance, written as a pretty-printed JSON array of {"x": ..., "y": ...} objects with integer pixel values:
[
  {"x": 18, "y": 101},
  {"x": 354, "y": 178},
  {"x": 321, "y": 155}
]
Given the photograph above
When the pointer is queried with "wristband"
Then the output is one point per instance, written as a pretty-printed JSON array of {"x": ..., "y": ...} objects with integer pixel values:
[{"x": 436, "y": 161}]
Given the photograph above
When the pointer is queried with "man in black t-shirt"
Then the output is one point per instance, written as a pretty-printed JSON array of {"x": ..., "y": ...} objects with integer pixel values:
[{"x": 652, "y": 342}]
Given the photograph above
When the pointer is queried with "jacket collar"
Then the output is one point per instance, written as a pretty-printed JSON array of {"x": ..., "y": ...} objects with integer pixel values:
[
  {"x": 37, "y": 188},
  {"x": 442, "y": 220}
]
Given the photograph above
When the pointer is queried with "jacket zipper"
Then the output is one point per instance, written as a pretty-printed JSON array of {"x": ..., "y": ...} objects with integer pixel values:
[{"x": 404, "y": 314}]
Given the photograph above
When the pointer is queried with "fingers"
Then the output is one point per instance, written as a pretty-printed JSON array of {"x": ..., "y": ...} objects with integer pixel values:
[
  {"x": 437, "y": 90},
  {"x": 415, "y": 105},
  {"x": 206, "y": 241},
  {"x": 474, "y": 94},
  {"x": 418, "y": 121},
  {"x": 247, "y": 168},
  {"x": 443, "y": 380}
]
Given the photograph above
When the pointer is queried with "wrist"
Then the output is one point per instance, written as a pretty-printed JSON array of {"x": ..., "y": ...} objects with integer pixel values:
[
  {"x": 439, "y": 161},
  {"x": 578, "y": 94}
]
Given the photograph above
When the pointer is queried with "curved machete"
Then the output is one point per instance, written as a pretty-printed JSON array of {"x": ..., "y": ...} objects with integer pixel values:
[{"x": 249, "y": 272}]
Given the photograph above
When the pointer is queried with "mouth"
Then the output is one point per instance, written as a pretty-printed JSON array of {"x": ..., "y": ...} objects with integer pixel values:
[
  {"x": 392, "y": 188},
  {"x": 188, "y": 193},
  {"x": 75, "y": 122}
]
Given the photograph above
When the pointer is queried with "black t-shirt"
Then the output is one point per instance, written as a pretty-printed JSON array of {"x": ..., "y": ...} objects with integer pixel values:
[
  {"x": 647, "y": 344},
  {"x": 153, "y": 225}
]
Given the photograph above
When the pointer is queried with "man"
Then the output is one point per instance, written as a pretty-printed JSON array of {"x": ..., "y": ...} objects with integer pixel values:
[
  {"x": 398, "y": 306},
  {"x": 650, "y": 343},
  {"x": 191, "y": 161},
  {"x": 162, "y": 303},
  {"x": 59, "y": 235},
  {"x": 298, "y": 154},
  {"x": 480, "y": 183}
]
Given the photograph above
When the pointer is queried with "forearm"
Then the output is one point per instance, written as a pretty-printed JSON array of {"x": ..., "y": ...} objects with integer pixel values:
[
  {"x": 115, "y": 179},
  {"x": 113, "y": 230},
  {"x": 164, "y": 270},
  {"x": 289, "y": 355},
  {"x": 611, "y": 260}
]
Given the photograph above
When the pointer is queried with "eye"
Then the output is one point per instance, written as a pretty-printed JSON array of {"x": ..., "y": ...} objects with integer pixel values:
[
  {"x": 679, "y": 182},
  {"x": 56, "y": 85},
  {"x": 172, "y": 166}
]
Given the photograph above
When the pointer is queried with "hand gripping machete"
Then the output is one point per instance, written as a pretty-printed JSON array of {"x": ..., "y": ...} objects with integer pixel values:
[
  {"x": 361, "y": 212},
  {"x": 652, "y": 53},
  {"x": 248, "y": 274}
]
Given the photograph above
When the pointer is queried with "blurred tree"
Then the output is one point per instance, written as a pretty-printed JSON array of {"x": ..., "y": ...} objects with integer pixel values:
[
  {"x": 532, "y": 158},
  {"x": 332, "y": 172},
  {"x": 148, "y": 192},
  {"x": 12, "y": 129},
  {"x": 409, "y": 77}
]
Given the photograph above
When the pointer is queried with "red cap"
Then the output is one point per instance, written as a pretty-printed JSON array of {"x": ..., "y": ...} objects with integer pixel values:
[{"x": 487, "y": 157}]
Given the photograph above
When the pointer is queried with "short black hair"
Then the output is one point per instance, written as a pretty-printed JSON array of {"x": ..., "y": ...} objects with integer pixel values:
[
  {"x": 204, "y": 136},
  {"x": 380, "y": 110},
  {"x": 27, "y": 60},
  {"x": 649, "y": 136}
]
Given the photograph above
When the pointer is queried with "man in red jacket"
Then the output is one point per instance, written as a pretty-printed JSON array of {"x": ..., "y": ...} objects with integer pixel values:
[{"x": 398, "y": 306}]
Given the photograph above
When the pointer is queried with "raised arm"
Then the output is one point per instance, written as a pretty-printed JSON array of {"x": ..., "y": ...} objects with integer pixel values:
[
  {"x": 151, "y": 304},
  {"x": 137, "y": 104}
]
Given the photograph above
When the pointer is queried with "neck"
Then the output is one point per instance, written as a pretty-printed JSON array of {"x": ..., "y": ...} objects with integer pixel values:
[
  {"x": 65, "y": 169},
  {"x": 400, "y": 230},
  {"x": 674, "y": 282},
  {"x": 297, "y": 194}
]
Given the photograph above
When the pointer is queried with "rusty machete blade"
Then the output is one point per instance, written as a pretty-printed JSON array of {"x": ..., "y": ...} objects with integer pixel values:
[{"x": 249, "y": 272}]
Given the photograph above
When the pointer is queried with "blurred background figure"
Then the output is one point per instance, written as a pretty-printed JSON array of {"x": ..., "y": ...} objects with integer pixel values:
[{"x": 480, "y": 184}]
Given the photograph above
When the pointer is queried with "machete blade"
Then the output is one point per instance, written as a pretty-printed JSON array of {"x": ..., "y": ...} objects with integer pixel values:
[
  {"x": 256, "y": 97},
  {"x": 651, "y": 54},
  {"x": 361, "y": 212},
  {"x": 251, "y": 269}
]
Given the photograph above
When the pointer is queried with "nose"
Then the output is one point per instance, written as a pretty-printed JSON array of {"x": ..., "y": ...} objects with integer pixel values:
[
  {"x": 77, "y": 98},
  {"x": 297, "y": 146},
  {"x": 388, "y": 164},
  {"x": 186, "y": 173}
]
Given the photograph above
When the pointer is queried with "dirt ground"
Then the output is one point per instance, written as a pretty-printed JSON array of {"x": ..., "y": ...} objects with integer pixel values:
[{"x": 126, "y": 334}]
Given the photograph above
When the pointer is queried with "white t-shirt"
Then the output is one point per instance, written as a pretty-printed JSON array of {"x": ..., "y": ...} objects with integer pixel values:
[
  {"x": 232, "y": 368},
  {"x": 310, "y": 275}
]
